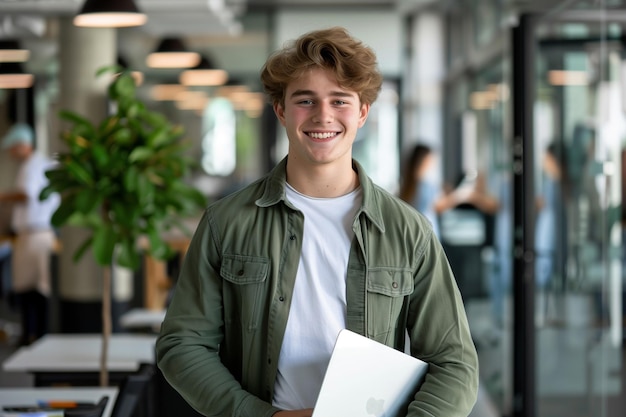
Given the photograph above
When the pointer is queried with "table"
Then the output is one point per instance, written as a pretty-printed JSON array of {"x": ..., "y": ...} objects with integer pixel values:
[
  {"x": 28, "y": 395},
  {"x": 142, "y": 318},
  {"x": 74, "y": 359}
]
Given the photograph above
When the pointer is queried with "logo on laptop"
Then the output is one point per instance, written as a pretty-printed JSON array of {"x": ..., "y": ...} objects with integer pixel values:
[{"x": 375, "y": 407}]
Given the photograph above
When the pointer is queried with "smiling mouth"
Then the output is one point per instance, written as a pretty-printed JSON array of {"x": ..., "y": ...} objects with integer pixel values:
[{"x": 322, "y": 135}]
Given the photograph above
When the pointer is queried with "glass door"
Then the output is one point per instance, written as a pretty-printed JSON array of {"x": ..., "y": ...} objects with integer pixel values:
[{"x": 578, "y": 131}]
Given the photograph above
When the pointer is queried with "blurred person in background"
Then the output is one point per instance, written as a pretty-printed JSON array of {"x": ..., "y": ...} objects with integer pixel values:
[
  {"x": 550, "y": 237},
  {"x": 418, "y": 187},
  {"x": 34, "y": 238}
]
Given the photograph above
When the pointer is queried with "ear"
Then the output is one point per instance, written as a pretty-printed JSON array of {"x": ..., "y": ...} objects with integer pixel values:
[
  {"x": 279, "y": 110},
  {"x": 365, "y": 111}
]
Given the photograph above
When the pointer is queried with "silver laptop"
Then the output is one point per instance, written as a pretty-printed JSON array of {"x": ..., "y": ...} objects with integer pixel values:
[{"x": 367, "y": 378}]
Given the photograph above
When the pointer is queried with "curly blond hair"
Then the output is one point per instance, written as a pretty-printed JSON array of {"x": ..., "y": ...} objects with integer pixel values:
[{"x": 353, "y": 63}]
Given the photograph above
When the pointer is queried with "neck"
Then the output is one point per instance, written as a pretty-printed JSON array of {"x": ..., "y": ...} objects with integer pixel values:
[{"x": 322, "y": 181}]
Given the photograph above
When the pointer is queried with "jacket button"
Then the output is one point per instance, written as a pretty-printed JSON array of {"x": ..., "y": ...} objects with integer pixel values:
[
  {"x": 240, "y": 272},
  {"x": 281, "y": 298},
  {"x": 394, "y": 284},
  {"x": 292, "y": 237}
]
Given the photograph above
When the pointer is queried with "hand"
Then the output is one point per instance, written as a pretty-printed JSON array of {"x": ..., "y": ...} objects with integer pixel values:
[{"x": 295, "y": 413}]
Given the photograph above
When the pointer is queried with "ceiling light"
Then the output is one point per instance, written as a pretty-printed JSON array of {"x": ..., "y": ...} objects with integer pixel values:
[
  {"x": 191, "y": 100},
  {"x": 204, "y": 74},
  {"x": 231, "y": 88},
  {"x": 166, "y": 92},
  {"x": 564, "y": 78},
  {"x": 483, "y": 100},
  {"x": 10, "y": 51},
  {"x": 12, "y": 76},
  {"x": 171, "y": 53},
  {"x": 109, "y": 14}
]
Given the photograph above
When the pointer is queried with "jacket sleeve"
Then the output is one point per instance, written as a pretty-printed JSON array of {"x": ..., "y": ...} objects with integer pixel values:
[
  {"x": 439, "y": 334},
  {"x": 187, "y": 348}
]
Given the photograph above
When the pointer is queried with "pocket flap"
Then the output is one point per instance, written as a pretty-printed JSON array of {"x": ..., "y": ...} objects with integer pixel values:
[
  {"x": 242, "y": 269},
  {"x": 390, "y": 282}
]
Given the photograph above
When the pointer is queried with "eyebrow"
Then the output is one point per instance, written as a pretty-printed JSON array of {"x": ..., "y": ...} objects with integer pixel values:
[{"x": 300, "y": 93}]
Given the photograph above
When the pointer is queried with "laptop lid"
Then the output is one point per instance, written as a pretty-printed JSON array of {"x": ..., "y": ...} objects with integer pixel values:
[{"x": 367, "y": 378}]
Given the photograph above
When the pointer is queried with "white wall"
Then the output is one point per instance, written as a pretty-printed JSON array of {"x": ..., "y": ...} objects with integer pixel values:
[{"x": 381, "y": 30}]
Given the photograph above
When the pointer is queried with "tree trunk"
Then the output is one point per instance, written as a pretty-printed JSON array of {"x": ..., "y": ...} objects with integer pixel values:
[{"x": 106, "y": 325}]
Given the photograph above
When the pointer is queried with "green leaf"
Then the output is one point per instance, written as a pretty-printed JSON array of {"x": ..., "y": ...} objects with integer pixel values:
[
  {"x": 104, "y": 244},
  {"x": 109, "y": 68},
  {"x": 140, "y": 154},
  {"x": 155, "y": 119},
  {"x": 79, "y": 172},
  {"x": 46, "y": 192},
  {"x": 123, "y": 136},
  {"x": 159, "y": 137},
  {"x": 86, "y": 201},
  {"x": 131, "y": 179},
  {"x": 63, "y": 213},
  {"x": 123, "y": 86},
  {"x": 80, "y": 252},
  {"x": 75, "y": 118},
  {"x": 100, "y": 155},
  {"x": 127, "y": 255},
  {"x": 134, "y": 109}
]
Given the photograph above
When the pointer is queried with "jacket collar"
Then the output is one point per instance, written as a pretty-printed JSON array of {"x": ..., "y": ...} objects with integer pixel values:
[{"x": 276, "y": 179}]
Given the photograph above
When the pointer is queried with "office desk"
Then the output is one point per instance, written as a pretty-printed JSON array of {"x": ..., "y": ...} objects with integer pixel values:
[
  {"x": 28, "y": 396},
  {"x": 74, "y": 359},
  {"x": 143, "y": 318}
]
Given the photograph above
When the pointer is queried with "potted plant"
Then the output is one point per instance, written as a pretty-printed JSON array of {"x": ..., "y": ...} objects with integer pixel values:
[{"x": 122, "y": 179}]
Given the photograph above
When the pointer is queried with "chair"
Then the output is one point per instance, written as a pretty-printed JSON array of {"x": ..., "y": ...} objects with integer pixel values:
[
  {"x": 132, "y": 391},
  {"x": 91, "y": 411}
]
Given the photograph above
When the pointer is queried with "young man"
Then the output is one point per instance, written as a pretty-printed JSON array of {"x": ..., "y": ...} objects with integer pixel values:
[{"x": 276, "y": 270}]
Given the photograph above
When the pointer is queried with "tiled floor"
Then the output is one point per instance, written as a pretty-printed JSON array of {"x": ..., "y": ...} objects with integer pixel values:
[
  {"x": 580, "y": 372},
  {"x": 9, "y": 328}
]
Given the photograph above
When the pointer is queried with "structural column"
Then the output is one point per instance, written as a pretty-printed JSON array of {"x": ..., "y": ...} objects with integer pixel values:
[
  {"x": 82, "y": 52},
  {"x": 423, "y": 112}
]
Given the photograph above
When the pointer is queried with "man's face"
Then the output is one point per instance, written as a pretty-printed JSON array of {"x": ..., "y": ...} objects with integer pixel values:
[
  {"x": 321, "y": 118},
  {"x": 20, "y": 151}
]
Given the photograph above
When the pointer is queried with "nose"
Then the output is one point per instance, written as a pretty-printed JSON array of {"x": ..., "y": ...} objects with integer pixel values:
[{"x": 323, "y": 114}]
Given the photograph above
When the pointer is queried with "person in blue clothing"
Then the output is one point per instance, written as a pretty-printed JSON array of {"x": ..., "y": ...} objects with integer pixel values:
[
  {"x": 550, "y": 223},
  {"x": 418, "y": 187}
]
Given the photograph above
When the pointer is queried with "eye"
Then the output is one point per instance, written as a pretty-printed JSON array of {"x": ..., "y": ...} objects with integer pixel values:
[
  {"x": 306, "y": 101},
  {"x": 340, "y": 102}
]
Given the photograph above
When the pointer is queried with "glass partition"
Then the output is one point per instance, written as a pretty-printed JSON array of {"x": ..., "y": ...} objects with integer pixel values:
[
  {"x": 574, "y": 96},
  {"x": 579, "y": 131}
]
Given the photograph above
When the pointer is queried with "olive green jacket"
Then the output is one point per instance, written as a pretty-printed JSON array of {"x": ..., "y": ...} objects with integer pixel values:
[{"x": 222, "y": 334}]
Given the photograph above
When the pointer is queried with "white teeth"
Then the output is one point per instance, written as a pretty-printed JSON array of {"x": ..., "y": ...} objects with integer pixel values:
[{"x": 322, "y": 135}]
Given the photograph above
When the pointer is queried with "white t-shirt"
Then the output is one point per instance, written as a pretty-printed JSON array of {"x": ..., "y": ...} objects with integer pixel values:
[
  {"x": 318, "y": 307},
  {"x": 34, "y": 214}
]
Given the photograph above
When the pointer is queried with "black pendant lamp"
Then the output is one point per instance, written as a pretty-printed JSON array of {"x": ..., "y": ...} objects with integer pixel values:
[
  {"x": 10, "y": 51},
  {"x": 204, "y": 74},
  {"x": 172, "y": 53},
  {"x": 109, "y": 14},
  {"x": 12, "y": 76}
]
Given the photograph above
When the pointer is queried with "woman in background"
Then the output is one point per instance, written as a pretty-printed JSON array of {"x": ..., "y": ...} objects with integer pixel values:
[
  {"x": 551, "y": 225},
  {"x": 418, "y": 187}
]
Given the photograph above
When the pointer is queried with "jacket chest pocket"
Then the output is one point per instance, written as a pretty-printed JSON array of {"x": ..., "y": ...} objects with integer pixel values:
[
  {"x": 244, "y": 289},
  {"x": 386, "y": 291}
]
